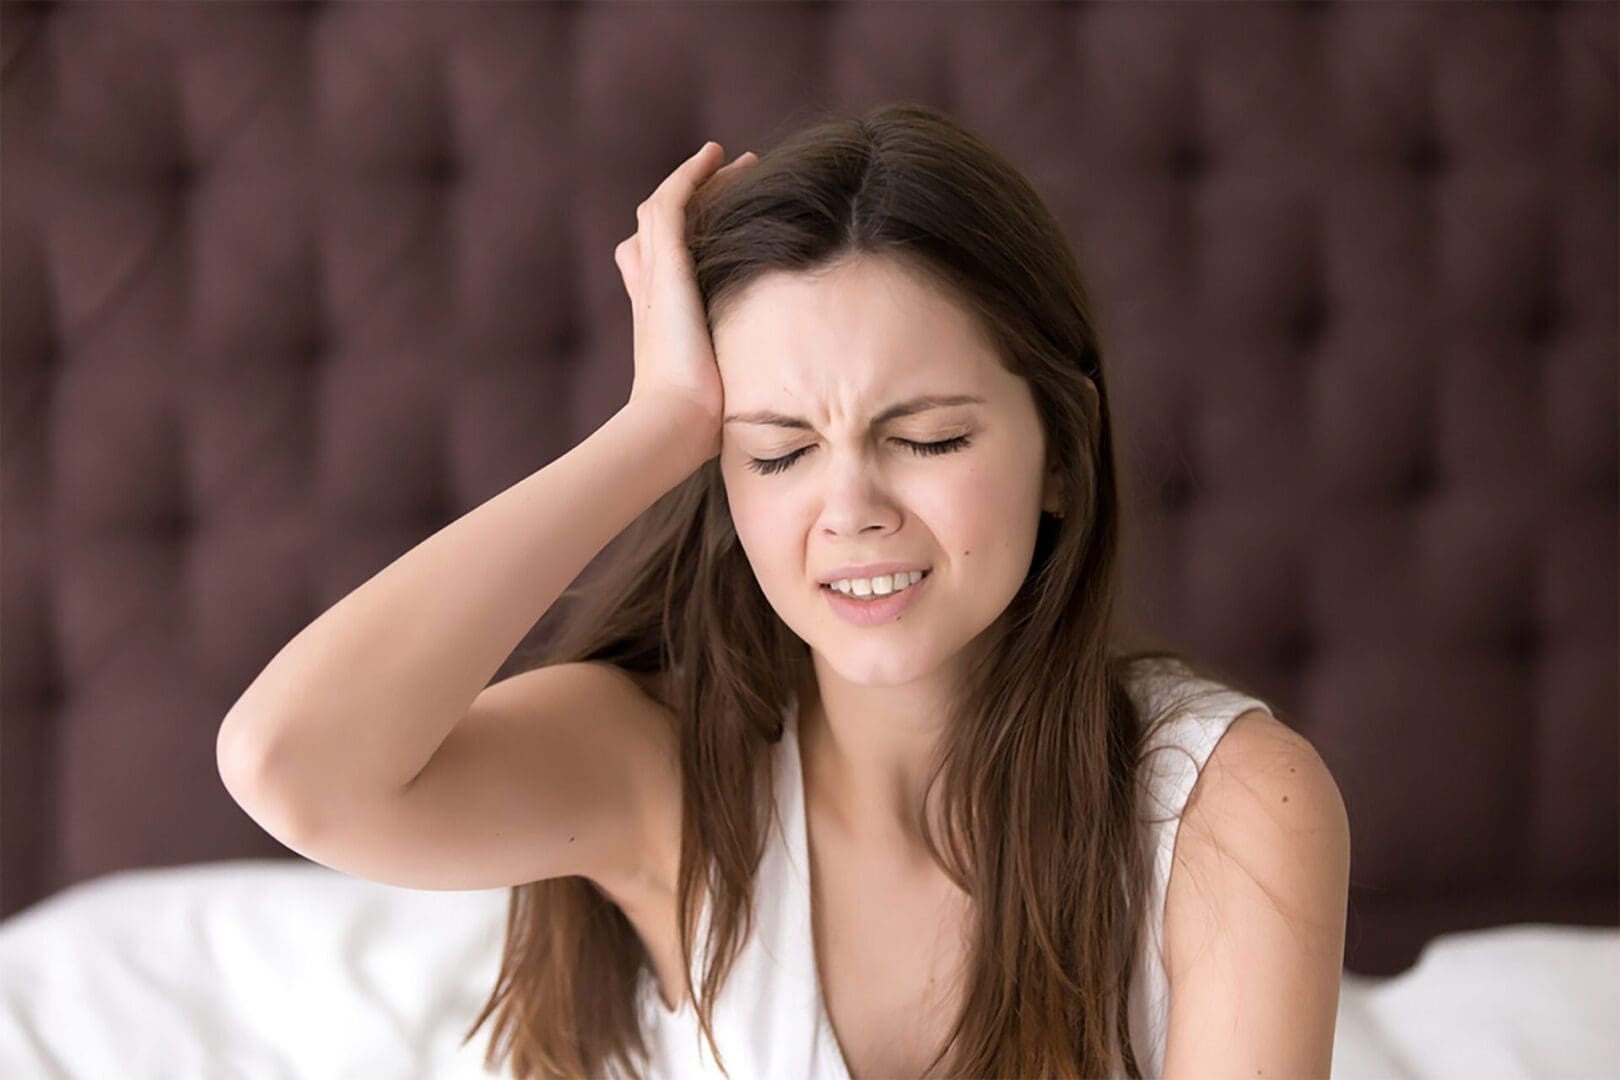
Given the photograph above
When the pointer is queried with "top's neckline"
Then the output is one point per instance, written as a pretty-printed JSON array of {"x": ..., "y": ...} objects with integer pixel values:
[{"x": 789, "y": 770}]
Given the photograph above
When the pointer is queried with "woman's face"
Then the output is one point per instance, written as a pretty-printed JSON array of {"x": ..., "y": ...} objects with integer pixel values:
[{"x": 808, "y": 364}]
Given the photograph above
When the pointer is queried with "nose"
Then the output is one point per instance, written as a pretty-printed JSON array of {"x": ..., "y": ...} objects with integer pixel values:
[{"x": 855, "y": 501}]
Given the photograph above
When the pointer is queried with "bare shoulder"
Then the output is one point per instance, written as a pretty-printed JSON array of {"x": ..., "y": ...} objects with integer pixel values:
[
  {"x": 1261, "y": 760},
  {"x": 1264, "y": 815},
  {"x": 1255, "y": 909},
  {"x": 651, "y": 695},
  {"x": 656, "y": 685}
]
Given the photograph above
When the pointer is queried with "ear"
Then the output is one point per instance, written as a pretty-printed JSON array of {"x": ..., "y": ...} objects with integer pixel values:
[
  {"x": 1052, "y": 494},
  {"x": 1052, "y": 497}
]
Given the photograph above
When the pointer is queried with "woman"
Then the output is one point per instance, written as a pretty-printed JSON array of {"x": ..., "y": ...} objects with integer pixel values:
[{"x": 908, "y": 806}]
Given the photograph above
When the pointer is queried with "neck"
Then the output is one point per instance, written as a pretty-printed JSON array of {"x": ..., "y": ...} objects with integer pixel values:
[{"x": 867, "y": 752}]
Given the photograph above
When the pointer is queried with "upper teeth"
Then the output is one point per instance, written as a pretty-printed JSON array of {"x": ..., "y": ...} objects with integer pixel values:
[{"x": 881, "y": 585}]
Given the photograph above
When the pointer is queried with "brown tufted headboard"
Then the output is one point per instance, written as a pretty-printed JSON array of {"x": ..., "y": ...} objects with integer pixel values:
[{"x": 289, "y": 287}]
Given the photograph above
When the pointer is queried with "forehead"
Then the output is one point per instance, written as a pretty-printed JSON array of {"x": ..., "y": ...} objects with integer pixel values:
[{"x": 869, "y": 324}]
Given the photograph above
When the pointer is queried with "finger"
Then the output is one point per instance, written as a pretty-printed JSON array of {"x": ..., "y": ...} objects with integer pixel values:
[
  {"x": 747, "y": 157},
  {"x": 627, "y": 256},
  {"x": 664, "y": 213},
  {"x": 643, "y": 236},
  {"x": 679, "y": 185}
]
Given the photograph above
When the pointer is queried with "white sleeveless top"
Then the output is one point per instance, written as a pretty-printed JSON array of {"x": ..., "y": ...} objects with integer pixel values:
[{"x": 769, "y": 1019}]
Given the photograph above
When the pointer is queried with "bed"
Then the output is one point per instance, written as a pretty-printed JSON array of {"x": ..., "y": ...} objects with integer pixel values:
[{"x": 270, "y": 968}]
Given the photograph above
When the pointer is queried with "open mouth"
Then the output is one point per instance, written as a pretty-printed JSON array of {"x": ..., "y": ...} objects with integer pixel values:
[
  {"x": 875, "y": 596},
  {"x": 875, "y": 610}
]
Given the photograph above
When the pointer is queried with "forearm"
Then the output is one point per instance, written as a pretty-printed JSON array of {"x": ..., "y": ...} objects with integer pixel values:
[{"x": 369, "y": 690}]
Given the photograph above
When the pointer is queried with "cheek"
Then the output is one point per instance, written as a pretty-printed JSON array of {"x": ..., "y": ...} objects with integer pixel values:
[
  {"x": 744, "y": 509},
  {"x": 975, "y": 503},
  {"x": 988, "y": 528},
  {"x": 772, "y": 550}
]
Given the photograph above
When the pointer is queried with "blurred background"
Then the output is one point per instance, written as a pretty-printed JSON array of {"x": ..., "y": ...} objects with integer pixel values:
[{"x": 287, "y": 287}]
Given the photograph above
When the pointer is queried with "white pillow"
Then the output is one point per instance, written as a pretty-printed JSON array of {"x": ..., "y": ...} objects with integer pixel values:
[
  {"x": 250, "y": 968},
  {"x": 285, "y": 968}
]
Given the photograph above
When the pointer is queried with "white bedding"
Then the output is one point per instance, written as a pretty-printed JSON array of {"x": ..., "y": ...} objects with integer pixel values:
[{"x": 283, "y": 968}]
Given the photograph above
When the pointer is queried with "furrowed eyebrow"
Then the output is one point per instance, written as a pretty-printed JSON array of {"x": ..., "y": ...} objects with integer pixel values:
[{"x": 893, "y": 412}]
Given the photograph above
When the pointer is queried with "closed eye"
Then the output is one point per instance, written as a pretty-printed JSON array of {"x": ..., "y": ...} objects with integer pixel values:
[{"x": 776, "y": 465}]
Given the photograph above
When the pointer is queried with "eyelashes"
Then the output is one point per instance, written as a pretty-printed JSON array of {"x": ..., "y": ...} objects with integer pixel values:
[{"x": 768, "y": 466}]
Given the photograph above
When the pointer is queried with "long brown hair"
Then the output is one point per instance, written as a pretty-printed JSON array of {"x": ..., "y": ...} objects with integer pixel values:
[{"x": 1041, "y": 761}]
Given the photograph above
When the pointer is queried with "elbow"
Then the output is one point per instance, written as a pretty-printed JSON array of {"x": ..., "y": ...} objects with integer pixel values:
[
  {"x": 239, "y": 753},
  {"x": 245, "y": 771}
]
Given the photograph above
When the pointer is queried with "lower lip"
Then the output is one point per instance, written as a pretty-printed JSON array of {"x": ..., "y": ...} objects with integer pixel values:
[{"x": 874, "y": 612}]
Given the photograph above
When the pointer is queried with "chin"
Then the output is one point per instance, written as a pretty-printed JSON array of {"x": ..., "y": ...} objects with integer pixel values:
[
  {"x": 872, "y": 661},
  {"x": 876, "y": 671}
]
